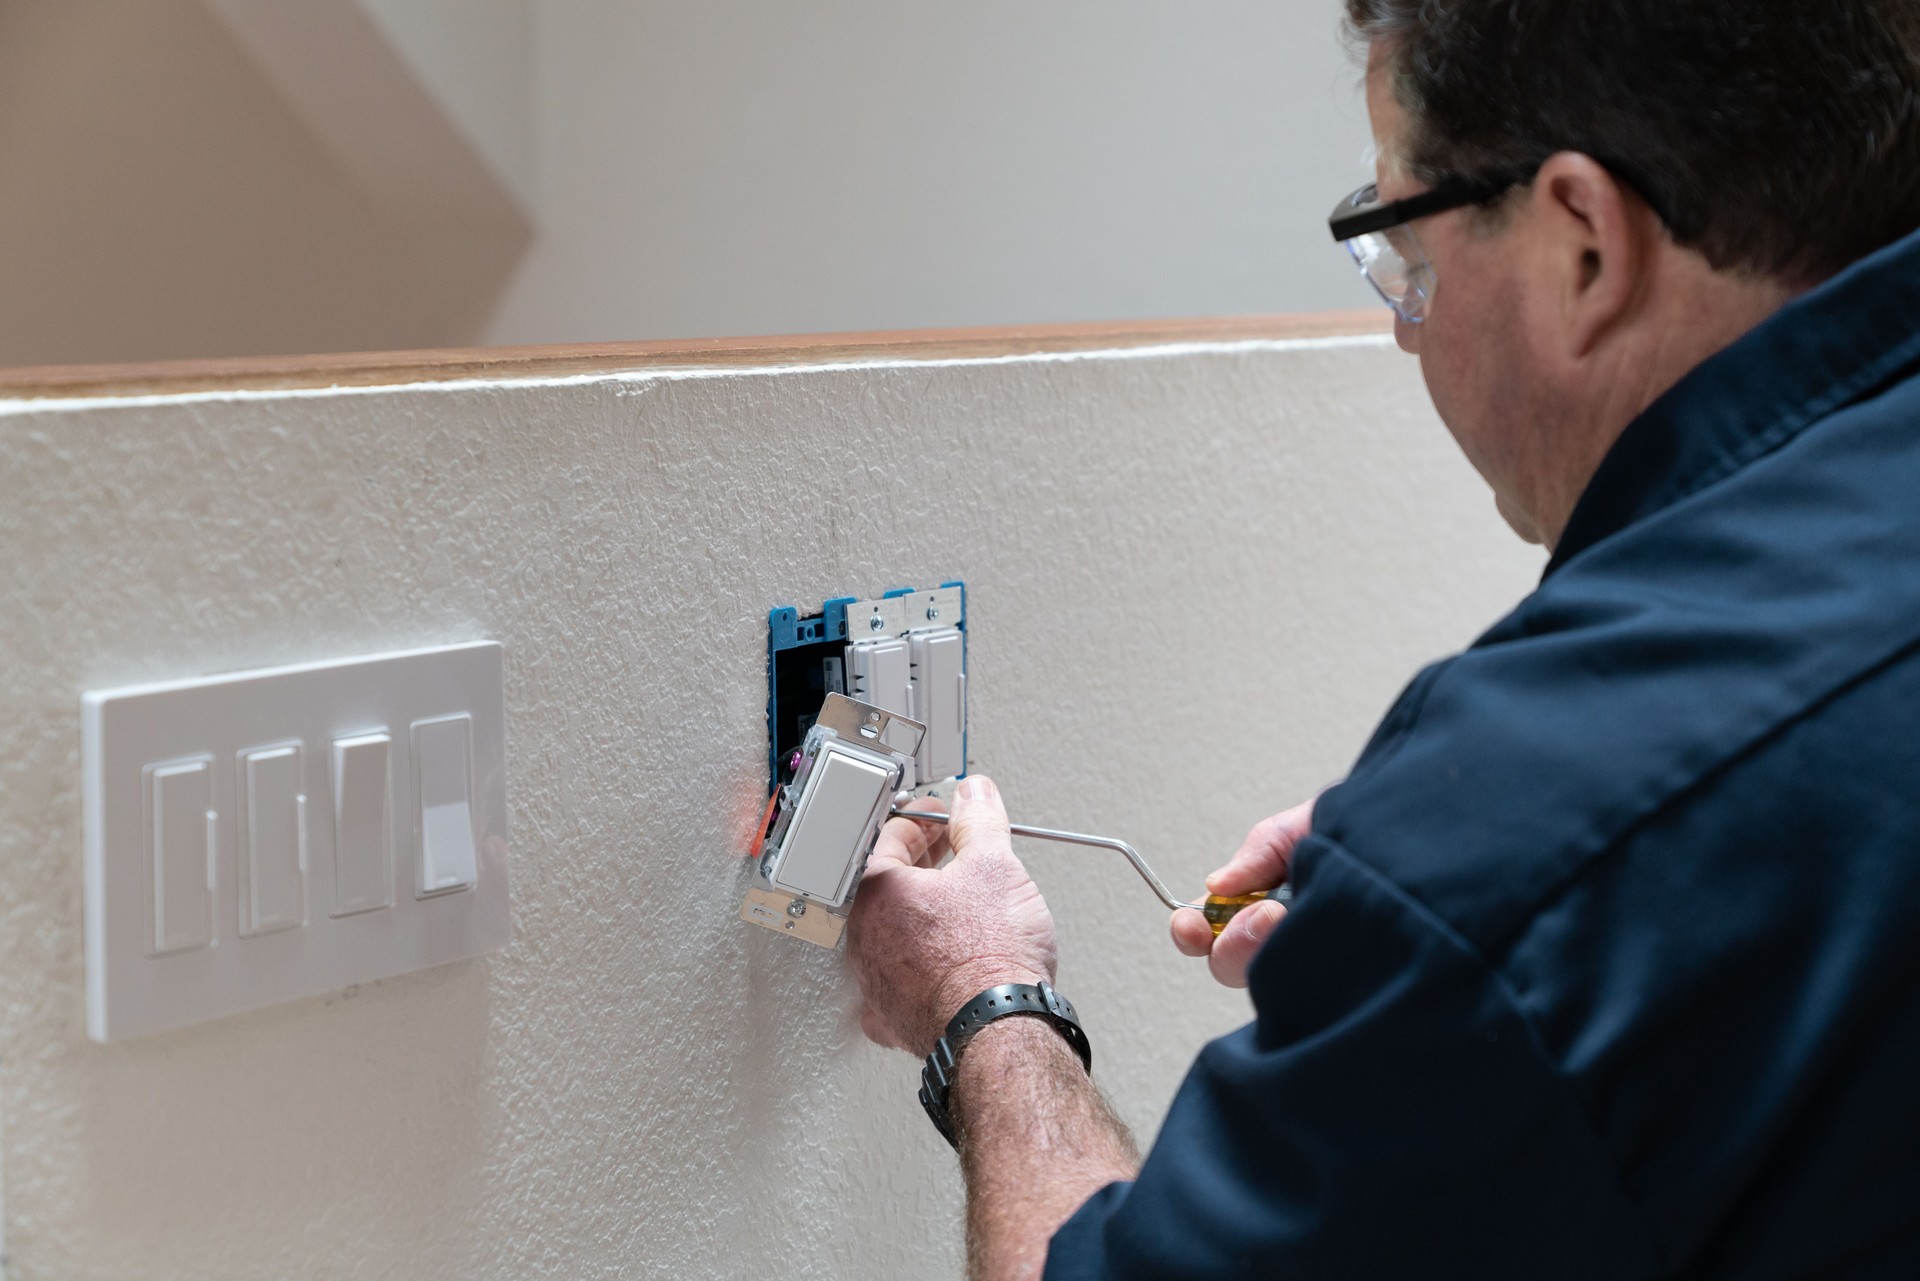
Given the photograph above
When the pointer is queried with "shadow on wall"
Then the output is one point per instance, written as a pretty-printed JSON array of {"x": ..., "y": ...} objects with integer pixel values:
[
  {"x": 365, "y": 1091},
  {"x": 192, "y": 178}
]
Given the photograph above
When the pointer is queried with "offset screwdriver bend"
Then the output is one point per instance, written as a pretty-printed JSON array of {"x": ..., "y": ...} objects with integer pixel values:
[{"x": 1217, "y": 911}]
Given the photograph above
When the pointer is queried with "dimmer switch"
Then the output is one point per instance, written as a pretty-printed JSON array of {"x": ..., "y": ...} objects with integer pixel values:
[
  {"x": 940, "y": 700},
  {"x": 848, "y": 798},
  {"x": 844, "y": 784},
  {"x": 882, "y": 673}
]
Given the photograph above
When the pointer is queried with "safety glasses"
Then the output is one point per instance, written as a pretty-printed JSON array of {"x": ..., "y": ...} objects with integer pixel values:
[{"x": 1379, "y": 236}]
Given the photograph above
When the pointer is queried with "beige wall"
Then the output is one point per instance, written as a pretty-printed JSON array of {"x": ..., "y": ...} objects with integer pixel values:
[
  {"x": 232, "y": 177},
  {"x": 476, "y": 57},
  {"x": 739, "y": 166},
  {"x": 1198, "y": 574},
  {"x": 200, "y": 178}
]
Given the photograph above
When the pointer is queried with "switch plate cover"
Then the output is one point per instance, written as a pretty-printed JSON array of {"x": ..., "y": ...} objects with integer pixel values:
[{"x": 220, "y": 873}]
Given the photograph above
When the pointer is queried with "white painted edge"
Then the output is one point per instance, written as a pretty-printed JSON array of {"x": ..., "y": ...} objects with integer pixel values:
[{"x": 640, "y": 378}]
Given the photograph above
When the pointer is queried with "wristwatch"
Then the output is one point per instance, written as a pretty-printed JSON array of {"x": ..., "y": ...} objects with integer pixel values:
[{"x": 1038, "y": 999}]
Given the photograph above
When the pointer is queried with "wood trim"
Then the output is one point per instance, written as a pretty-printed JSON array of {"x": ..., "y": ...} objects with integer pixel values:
[{"x": 369, "y": 369}]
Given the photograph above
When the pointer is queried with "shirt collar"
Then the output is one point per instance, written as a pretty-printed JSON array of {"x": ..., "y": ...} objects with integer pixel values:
[{"x": 1817, "y": 354}]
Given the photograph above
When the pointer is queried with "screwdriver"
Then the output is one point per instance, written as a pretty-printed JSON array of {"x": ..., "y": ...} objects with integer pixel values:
[{"x": 1218, "y": 909}]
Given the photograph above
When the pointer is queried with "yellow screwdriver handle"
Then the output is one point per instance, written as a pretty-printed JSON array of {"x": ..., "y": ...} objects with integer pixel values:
[{"x": 1219, "y": 909}]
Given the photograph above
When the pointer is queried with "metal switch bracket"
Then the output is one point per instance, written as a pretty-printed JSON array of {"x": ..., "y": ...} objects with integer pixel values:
[{"x": 851, "y": 764}]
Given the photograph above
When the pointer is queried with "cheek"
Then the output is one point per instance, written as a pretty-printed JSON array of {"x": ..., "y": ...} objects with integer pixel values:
[
  {"x": 1464, "y": 346},
  {"x": 1441, "y": 369}
]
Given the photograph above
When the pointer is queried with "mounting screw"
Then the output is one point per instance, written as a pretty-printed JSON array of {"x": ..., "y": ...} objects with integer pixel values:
[
  {"x": 796, "y": 908},
  {"x": 933, "y": 613},
  {"x": 876, "y": 623}
]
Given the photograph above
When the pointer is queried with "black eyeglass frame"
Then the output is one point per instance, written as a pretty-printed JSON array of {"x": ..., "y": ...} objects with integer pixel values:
[{"x": 1349, "y": 222}]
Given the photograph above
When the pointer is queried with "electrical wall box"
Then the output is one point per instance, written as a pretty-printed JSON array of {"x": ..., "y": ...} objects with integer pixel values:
[
  {"x": 901, "y": 660},
  {"x": 259, "y": 836}
]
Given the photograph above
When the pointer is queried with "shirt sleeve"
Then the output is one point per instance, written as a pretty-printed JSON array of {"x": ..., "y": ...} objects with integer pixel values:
[{"x": 1388, "y": 1114}]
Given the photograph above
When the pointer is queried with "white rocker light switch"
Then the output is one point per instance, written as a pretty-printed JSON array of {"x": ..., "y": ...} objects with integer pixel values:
[{"x": 259, "y": 836}]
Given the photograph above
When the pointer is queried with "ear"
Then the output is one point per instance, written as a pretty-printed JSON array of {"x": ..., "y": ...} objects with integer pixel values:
[{"x": 1597, "y": 239}]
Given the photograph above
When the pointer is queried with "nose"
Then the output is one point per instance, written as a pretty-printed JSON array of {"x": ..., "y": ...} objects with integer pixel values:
[{"x": 1407, "y": 334}]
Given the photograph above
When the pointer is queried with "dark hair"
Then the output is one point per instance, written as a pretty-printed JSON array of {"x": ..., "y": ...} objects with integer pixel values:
[{"x": 1777, "y": 137}]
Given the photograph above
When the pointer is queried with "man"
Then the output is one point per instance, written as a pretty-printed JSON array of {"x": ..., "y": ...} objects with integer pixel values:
[{"x": 1605, "y": 959}]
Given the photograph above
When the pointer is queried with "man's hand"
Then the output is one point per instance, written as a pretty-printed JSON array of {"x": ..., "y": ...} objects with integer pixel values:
[
  {"x": 1036, "y": 1139},
  {"x": 1261, "y": 864},
  {"x": 924, "y": 940}
]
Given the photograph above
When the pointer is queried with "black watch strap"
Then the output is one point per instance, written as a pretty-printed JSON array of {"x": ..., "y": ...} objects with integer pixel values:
[{"x": 1038, "y": 999}]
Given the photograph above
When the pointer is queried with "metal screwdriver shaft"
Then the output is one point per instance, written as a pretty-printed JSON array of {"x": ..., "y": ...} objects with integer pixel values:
[{"x": 1099, "y": 842}]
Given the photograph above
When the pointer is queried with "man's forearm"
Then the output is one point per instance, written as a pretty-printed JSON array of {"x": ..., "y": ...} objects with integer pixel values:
[{"x": 1036, "y": 1140}]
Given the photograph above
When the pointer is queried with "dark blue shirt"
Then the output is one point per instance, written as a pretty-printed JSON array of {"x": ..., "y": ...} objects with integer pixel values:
[{"x": 1605, "y": 960}]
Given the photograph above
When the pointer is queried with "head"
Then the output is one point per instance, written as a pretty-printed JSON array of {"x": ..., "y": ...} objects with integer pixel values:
[{"x": 1696, "y": 163}]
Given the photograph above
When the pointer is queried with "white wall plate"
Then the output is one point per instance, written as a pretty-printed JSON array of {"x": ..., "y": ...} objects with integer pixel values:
[{"x": 260, "y": 836}]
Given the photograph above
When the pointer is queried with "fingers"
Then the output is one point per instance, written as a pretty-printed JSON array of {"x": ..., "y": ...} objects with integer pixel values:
[
  {"x": 933, "y": 847},
  {"x": 907, "y": 843},
  {"x": 898, "y": 846},
  {"x": 1191, "y": 933},
  {"x": 1262, "y": 859},
  {"x": 1234, "y": 950}
]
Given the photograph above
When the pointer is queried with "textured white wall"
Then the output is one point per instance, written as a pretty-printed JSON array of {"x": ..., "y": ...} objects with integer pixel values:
[
  {"x": 741, "y": 166},
  {"x": 1198, "y": 575}
]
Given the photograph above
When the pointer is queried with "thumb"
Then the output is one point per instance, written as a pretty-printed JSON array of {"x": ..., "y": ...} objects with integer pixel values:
[
  {"x": 1263, "y": 858},
  {"x": 1239, "y": 943},
  {"x": 979, "y": 825}
]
